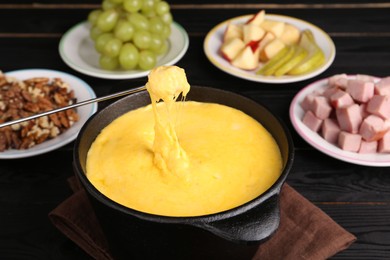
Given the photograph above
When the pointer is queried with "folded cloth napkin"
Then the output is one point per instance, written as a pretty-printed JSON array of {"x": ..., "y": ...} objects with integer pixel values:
[{"x": 305, "y": 231}]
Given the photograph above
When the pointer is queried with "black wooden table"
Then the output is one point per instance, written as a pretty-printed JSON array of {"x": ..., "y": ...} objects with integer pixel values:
[{"x": 356, "y": 197}]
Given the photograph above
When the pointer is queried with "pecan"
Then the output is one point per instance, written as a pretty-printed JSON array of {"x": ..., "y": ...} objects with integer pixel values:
[
  {"x": 54, "y": 118},
  {"x": 3, "y": 142},
  {"x": 26, "y": 95},
  {"x": 32, "y": 107}
]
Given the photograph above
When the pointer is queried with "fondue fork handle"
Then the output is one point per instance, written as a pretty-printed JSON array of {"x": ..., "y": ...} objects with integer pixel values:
[{"x": 78, "y": 104}]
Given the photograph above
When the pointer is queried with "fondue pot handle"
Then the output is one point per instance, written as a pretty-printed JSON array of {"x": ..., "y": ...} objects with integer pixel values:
[{"x": 251, "y": 226}]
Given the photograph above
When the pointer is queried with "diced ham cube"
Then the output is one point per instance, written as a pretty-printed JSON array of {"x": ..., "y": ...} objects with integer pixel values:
[
  {"x": 380, "y": 106},
  {"x": 383, "y": 87},
  {"x": 307, "y": 101},
  {"x": 342, "y": 83},
  {"x": 366, "y": 78},
  {"x": 384, "y": 143},
  {"x": 349, "y": 142},
  {"x": 330, "y": 130},
  {"x": 339, "y": 80},
  {"x": 372, "y": 128},
  {"x": 360, "y": 91},
  {"x": 320, "y": 107},
  {"x": 328, "y": 92},
  {"x": 368, "y": 147},
  {"x": 311, "y": 121},
  {"x": 363, "y": 110},
  {"x": 341, "y": 99},
  {"x": 349, "y": 118}
]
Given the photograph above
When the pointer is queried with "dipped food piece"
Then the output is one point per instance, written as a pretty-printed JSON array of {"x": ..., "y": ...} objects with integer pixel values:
[{"x": 212, "y": 157}]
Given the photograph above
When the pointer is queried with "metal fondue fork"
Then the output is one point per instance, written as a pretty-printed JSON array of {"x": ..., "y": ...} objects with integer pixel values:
[{"x": 78, "y": 104}]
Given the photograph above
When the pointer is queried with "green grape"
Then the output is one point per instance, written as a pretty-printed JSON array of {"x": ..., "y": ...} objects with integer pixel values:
[
  {"x": 93, "y": 16},
  {"x": 139, "y": 21},
  {"x": 112, "y": 47},
  {"x": 128, "y": 56},
  {"x": 166, "y": 32},
  {"x": 163, "y": 49},
  {"x": 147, "y": 60},
  {"x": 108, "y": 4},
  {"x": 148, "y": 14},
  {"x": 124, "y": 30},
  {"x": 108, "y": 63},
  {"x": 142, "y": 39},
  {"x": 156, "y": 25},
  {"x": 147, "y": 6},
  {"x": 95, "y": 32},
  {"x": 162, "y": 8},
  {"x": 107, "y": 20},
  {"x": 156, "y": 43},
  {"x": 101, "y": 41},
  {"x": 132, "y": 6},
  {"x": 166, "y": 18},
  {"x": 117, "y": 1}
]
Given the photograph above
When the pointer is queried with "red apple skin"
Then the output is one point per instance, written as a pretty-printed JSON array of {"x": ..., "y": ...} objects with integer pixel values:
[
  {"x": 225, "y": 56},
  {"x": 256, "y": 16},
  {"x": 254, "y": 45}
]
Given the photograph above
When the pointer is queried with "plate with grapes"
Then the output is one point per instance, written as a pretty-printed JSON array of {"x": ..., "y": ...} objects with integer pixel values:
[{"x": 77, "y": 50}]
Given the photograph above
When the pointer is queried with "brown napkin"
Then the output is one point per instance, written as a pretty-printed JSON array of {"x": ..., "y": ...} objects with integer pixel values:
[{"x": 305, "y": 231}]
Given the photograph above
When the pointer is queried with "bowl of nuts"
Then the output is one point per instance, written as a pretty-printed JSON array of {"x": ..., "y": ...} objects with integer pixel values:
[{"x": 27, "y": 92}]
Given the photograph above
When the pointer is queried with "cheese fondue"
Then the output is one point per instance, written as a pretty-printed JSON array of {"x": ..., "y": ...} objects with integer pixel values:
[{"x": 177, "y": 158}]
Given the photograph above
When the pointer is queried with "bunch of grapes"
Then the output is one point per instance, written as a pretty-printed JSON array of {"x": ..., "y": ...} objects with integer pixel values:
[{"x": 130, "y": 34}]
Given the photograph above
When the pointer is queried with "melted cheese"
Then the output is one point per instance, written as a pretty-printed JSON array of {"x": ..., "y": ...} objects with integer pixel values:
[{"x": 182, "y": 158}]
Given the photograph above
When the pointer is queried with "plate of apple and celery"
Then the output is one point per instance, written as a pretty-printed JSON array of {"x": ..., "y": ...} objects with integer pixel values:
[{"x": 269, "y": 48}]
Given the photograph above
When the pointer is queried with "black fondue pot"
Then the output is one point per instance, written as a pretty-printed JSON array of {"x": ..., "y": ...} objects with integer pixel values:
[{"x": 232, "y": 234}]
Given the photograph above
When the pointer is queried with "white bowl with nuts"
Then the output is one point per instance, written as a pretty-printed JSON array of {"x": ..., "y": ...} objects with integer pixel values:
[{"x": 27, "y": 92}]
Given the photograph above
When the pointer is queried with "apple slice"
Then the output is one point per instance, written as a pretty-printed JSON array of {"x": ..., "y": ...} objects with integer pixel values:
[
  {"x": 271, "y": 49},
  {"x": 257, "y": 19},
  {"x": 232, "y": 31},
  {"x": 291, "y": 34},
  {"x": 232, "y": 48},
  {"x": 269, "y": 70},
  {"x": 315, "y": 56},
  {"x": 252, "y": 33},
  {"x": 246, "y": 59},
  {"x": 268, "y": 37},
  {"x": 273, "y": 61},
  {"x": 276, "y": 27},
  {"x": 299, "y": 55}
]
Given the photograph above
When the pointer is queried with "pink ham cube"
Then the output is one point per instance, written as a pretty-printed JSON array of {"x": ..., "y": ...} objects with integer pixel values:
[
  {"x": 349, "y": 142},
  {"x": 349, "y": 118},
  {"x": 360, "y": 91},
  {"x": 332, "y": 81},
  {"x": 380, "y": 106},
  {"x": 311, "y": 121},
  {"x": 341, "y": 99},
  {"x": 320, "y": 107},
  {"x": 368, "y": 147},
  {"x": 307, "y": 101},
  {"x": 384, "y": 143},
  {"x": 372, "y": 128},
  {"x": 330, "y": 91},
  {"x": 367, "y": 78},
  {"x": 330, "y": 130},
  {"x": 363, "y": 110},
  {"x": 383, "y": 87}
]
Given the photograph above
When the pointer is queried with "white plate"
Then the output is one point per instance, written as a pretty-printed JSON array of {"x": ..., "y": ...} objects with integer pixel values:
[
  {"x": 214, "y": 38},
  {"x": 82, "y": 92},
  {"x": 78, "y": 52},
  {"x": 314, "y": 139}
]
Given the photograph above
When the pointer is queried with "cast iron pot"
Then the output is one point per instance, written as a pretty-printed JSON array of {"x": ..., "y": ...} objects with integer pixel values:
[{"x": 232, "y": 234}]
